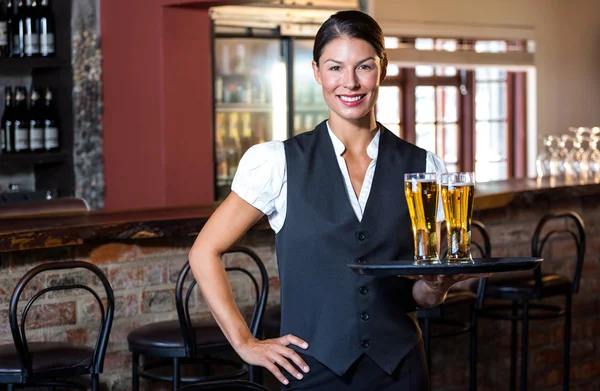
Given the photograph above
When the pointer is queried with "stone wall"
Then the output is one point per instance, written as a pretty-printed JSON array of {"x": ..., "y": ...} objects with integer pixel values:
[{"x": 143, "y": 274}]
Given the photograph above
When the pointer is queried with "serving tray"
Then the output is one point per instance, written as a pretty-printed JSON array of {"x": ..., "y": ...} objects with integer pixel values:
[{"x": 479, "y": 266}]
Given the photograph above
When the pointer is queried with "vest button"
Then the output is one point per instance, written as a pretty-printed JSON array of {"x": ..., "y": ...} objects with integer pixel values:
[
  {"x": 361, "y": 236},
  {"x": 364, "y": 344},
  {"x": 364, "y": 316},
  {"x": 363, "y": 290}
]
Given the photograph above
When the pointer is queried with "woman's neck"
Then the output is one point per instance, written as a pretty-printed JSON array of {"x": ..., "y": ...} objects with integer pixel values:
[{"x": 356, "y": 135}]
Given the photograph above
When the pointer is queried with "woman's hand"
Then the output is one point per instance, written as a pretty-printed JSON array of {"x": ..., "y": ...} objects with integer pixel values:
[
  {"x": 275, "y": 353},
  {"x": 430, "y": 290}
]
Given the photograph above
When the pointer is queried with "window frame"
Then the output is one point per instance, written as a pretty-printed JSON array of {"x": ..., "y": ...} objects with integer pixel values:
[{"x": 516, "y": 83}]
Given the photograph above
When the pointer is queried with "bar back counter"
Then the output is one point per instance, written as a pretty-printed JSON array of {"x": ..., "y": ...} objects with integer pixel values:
[{"x": 142, "y": 251}]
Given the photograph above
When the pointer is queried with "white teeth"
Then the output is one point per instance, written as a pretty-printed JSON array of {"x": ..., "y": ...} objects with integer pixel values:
[{"x": 351, "y": 99}]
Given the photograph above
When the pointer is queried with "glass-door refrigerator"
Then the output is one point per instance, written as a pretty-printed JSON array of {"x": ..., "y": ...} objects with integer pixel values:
[
  {"x": 264, "y": 90},
  {"x": 309, "y": 107},
  {"x": 250, "y": 100}
]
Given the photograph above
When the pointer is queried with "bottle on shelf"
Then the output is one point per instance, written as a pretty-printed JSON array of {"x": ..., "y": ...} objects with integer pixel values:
[
  {"x": 6, "y": 133},
  {"x": 46, "y": 28},
  {"x": 21, "y": 122},
  {"x": 31, "y": 23},
  {"x": 18, "y": 30},
  {"x": 247, "y": 139},
  {"x": 4, "y": 47},
  {"x": 221, "y": 152},
  {"x": 36, "y": 121},
  {"x": 232, "y": 145},
  {"x": 51, "y": 131}
]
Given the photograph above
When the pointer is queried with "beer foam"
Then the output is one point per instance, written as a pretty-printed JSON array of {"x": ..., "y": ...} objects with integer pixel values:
[{"x": 421, "y": 180}]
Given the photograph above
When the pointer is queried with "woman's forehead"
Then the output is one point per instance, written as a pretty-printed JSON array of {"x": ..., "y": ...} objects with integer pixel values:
[{"x": 350, "y": 45}]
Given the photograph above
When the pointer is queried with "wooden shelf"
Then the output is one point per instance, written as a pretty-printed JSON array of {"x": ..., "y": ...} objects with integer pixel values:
[
  {"x": 28, "y": 63},
  {"x": 33, "y": 158}
]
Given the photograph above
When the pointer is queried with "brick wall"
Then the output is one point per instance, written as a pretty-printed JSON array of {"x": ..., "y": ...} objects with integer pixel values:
[{"x": 143, "y": 275}]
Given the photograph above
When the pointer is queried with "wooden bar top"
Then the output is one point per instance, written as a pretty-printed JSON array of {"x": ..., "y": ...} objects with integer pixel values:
[{"x": 56, "y": 230}]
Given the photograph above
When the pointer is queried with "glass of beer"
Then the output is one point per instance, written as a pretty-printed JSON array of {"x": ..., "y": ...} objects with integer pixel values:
[
  {"x": 421, "y": 190},
  {"x": 458, "y": 192}
]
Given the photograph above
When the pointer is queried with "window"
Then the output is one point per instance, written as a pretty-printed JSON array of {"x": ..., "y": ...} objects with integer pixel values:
[{"x": 466, "y": 116}]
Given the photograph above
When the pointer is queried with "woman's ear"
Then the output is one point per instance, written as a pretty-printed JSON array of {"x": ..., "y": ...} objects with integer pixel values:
[
  {"x": 384, "y": 64},
  {"x": 316, "y": 72}
]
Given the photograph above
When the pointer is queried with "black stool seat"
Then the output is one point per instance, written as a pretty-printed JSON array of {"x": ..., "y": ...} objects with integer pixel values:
[
  {"x": 187, "y": 341},
  {"x": 47, "y": 356},
  {"x": 271, "y": 324},
  {"x": 523, "y": 286},
  {"x": 225, "y": 385},
  {"x": 168, "y": 336}
]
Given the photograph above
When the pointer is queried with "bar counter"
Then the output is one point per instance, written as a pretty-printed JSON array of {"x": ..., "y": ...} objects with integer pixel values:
[
  {"x": 56, "y": 230},
  {"x": 142, "y": 252}
]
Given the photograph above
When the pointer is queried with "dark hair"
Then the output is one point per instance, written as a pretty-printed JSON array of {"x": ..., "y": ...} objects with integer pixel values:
[{"x": 353, "y": 24}]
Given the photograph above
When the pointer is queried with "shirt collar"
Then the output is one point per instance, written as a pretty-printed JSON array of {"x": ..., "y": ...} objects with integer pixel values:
[{"x": 339, "y": 147}]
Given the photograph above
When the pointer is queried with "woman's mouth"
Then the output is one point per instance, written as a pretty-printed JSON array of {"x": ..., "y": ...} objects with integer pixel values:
[{"x": 351, "y": 100}]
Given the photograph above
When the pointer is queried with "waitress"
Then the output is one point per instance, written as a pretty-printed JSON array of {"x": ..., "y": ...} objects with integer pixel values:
[{"x": 331, "y": 195}]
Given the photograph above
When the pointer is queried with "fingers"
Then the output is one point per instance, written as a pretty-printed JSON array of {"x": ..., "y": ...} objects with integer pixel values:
[
  {"x": 274, "y": 369},
  {"x": 293, "y": 340}
]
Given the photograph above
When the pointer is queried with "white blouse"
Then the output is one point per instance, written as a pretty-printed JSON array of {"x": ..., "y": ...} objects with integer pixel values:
[{"x": 261, "y": 178}]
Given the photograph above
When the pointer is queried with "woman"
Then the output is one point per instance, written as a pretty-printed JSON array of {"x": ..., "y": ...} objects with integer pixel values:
[{"x": 341, "y": 330}]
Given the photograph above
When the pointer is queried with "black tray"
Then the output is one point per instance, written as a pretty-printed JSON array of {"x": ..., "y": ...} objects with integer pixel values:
[{"x": 489, "y": 265}]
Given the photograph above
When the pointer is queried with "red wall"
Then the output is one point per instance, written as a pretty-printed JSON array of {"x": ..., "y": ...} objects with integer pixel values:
[{"x": 158, "y": 116}]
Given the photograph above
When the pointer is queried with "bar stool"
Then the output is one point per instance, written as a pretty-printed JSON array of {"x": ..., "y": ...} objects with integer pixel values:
[
  {"x": 225, "y": 385},
  {"x": 27, "y": 363},
  {"x": 447, "y": 327},
  {"x": 185, "y": 341},
  {"x": 518, "y": 292}
]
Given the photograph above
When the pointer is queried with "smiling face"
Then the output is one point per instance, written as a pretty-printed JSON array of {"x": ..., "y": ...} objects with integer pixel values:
[{"x": 350, "y": 71}]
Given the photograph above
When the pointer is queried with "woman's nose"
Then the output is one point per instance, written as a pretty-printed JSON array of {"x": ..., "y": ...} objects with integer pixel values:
[{"x": 351, "y": 81}]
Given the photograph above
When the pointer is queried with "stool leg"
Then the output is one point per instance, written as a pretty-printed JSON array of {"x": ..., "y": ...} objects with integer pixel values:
[
  {"x": 135, "y": 379},
  {"x": 473, "y": 367},
  {"x": 524, "y": 346},
  {"x": 176, "y": 374},
  {"x": 513, "y": 347},
  {"x": 10, "y": 387},
  {"x": 426, "y": 343},
  {"x": 95, "y": 382},
  {"x": 567, "y": 342}
]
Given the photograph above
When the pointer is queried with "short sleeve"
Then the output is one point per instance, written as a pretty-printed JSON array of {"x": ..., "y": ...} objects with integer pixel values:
[
  {"x": 260, "y": 176},
  {"x": 436, "y": 164}
]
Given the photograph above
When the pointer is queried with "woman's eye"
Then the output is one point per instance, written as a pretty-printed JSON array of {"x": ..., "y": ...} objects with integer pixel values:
[
  {"x": 335, "y": 68},
  {"x": 365, "y": 66}
]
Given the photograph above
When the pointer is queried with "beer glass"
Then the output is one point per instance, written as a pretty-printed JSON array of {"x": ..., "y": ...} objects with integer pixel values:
[
  {"x": 421, "y": 190},
  {"x": 458, "y": 192}
]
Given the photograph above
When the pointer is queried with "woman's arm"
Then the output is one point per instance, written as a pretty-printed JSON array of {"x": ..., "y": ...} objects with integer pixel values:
[{"x": 226, "y": 226}]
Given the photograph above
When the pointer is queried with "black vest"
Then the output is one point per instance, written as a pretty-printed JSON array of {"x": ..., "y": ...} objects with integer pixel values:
[{"x": 340, "y": 313}]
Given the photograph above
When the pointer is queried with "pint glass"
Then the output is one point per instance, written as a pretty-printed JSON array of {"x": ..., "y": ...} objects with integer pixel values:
[
  {"x": 421, "y": 190},
  {"x": 458, "y": 192}
]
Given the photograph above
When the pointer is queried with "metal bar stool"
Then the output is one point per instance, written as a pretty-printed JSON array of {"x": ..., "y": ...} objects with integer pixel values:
[
  {"x": 447, "y": 327},
  {"x": 522, "y": 294},
  {"x": 40, "y": 363},
  {"x": 182, "y": 340}
]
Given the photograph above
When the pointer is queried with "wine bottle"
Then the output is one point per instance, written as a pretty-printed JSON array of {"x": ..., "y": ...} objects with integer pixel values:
[
  {"x": 18, "y": 30},
  {"x": 36, "y": 122},
  {"x": 32, "y": 29},
  {"x": 51, "y": 132},
  {"x": 47, "y": 26},
  {"x": 8, "y": 143},
  {"x": 10, "y": 18},
  {"x": 4, "y": 48},
  {"x": 21, "y": 123}
]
